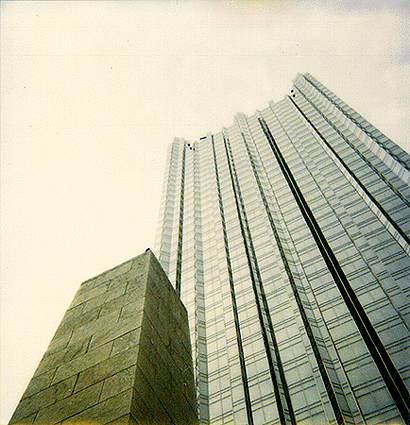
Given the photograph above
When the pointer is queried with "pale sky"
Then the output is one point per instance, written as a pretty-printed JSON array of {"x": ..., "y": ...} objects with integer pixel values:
[{"x": 92, "y": 93}]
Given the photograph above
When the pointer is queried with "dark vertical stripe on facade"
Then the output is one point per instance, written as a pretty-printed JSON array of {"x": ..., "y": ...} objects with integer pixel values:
[
  {"x": 286, "y": 414},
  {"x": 233, "y": 296},
  {"x": 323, "y": 372},
  {"x": 388, "y": 371},
  {"x": 180, "y": 225},
  {"x": 358, "y": 124},
  {"x": 353, "y": 175}
]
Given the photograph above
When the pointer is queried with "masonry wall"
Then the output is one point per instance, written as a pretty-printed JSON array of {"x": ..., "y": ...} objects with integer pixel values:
[{"x": 121, "y": 355}]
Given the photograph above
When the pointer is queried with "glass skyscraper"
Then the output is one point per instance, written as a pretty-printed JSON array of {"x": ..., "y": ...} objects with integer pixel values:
[{"x": 287, "y": 236}]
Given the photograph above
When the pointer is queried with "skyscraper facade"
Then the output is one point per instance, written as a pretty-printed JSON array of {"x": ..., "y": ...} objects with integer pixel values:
[{"x": 287, "y": 237}]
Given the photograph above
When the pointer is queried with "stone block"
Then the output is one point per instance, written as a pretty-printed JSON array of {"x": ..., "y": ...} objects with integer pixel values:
[
  {"x": 97, "y": 281},
  {"x": 117, "y": 383},
  {"x": 152, "y": 400},
  {"x": 44, "y": 398},
  {"x": 58, "y": 343},
  {"x": 120, "y": 328},
  {"x": 132, "y": 309},
  {"x": 119, "y": 281},
  {"x": 125, "y": 420},
  {"x": 126, "y": 341},
  {"x": 84, "y": 295},
  {"x": 96, "y": 302},
  {"x": 76, "y": 349},
  {"x": 69, "y": 406},
  {"x": 82, "y": 362},
  {"x": 140, "y": 411},
  {"x": 74, "y": 311},
  {"x": 106, "y": 368},
  {"x": 151, "y": 312},
  {"x": 87, "y": 330},
  {"x": 155, "y": 370},
  {"x": 121, "y": 355},
  {"x": 115, "y": 304},
  {"x": 135, "y": 289},
  {"x": 115, "y": 289},
  {"x": 110, "y": 410},
  {"x": 140, "y": 267},
  {"x": 71, "y": 322},
  {"x": 161, "y": 345},
  {"x": 184, "y": 413},
  {"x": 28, "y": 420},
  {"x": 119, "y": 270},
  {"x": 49, "y": 363},
  {"x": 158, "y": 287},
  {"x": 38, "y": 383}
]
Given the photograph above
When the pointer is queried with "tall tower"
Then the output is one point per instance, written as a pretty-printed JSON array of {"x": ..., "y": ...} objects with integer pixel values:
[{"x": 287, "y": 236}]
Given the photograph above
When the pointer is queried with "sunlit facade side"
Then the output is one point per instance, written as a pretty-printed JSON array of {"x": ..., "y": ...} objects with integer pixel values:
[{"x": 287, "y": 237}]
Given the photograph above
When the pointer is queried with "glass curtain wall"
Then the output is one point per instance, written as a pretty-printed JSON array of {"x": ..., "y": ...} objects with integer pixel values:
[{"x": 287, "y": 238}]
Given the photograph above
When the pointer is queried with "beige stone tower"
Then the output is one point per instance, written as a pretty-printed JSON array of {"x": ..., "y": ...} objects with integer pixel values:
[{"x": 121, "y": 355}]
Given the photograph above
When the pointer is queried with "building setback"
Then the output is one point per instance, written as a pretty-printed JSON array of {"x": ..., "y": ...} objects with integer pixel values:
[
  {"x": 287, "y": 238},
  {"x": 121, "y": 355}
]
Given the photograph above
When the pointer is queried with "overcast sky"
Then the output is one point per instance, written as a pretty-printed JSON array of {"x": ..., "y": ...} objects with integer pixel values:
[{"x": 92, "y": 93}]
